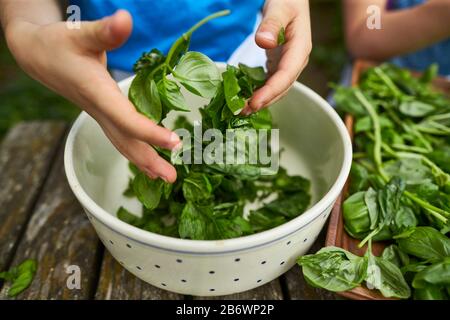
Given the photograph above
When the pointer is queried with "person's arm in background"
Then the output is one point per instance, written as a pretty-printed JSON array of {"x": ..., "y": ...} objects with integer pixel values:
[
  {"x": 72, "y": 62},
  {"x": 285, "y": 63},
  {"x": 402, "y": 31}
]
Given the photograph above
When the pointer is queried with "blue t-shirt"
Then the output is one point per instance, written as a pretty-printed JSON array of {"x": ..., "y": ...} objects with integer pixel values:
[
  {"x": 419, "y": 60},
  {"x": 157, "y": 23}
]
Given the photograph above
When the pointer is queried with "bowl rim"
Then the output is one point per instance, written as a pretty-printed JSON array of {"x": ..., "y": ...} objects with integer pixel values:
[{"x": 213, "y": 246}]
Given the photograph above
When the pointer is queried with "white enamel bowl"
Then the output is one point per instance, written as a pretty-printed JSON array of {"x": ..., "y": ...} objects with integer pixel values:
[{"x": 316, "y": 145}]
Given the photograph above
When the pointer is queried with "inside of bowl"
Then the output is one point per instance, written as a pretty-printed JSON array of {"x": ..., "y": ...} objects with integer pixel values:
[{"x": 310, "y": 142}]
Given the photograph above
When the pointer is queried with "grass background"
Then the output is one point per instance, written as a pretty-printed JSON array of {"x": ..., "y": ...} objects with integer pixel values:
[{"x": 22, "y": 98}]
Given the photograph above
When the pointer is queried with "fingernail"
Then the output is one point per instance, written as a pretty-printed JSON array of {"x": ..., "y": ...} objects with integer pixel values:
[
  {"x": 246, "y": 111},
  {"x": 178, "y": 146},
  {"x": 266, "y": 35},
  {"x": 165, "y": 179},
  {"x": 174, "y": 139}
]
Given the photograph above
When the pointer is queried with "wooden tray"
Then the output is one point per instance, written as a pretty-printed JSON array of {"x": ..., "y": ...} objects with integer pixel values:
[{"x": 336, "y": 235}]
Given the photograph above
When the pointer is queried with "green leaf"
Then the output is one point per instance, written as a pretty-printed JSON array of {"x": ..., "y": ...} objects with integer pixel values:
[
  {"x": 426, "y": 243},
  {"x": 386, "y": 277},
  {"x": 416, "y": 109},
  {"x": 178, "y": 49},
  {"x": 144, "y": 95},
  {"x": 264, "y": 219},
  {"x": 128, "y": 217},
  {"x": 261, "y": 120},
  {"x": 347, "y": 102},
  {"x": 181, "y": 45},
  {"x": 437, "y": 275},
  {"x": 370, "y": 199},
  {"x": 291, "y": 205},
  {"x": 149, "y": 61},
  {"x": 365, "y": 124},
  {"x": 148, "y": 191},
  {"x": 412, "y": 171},
  {"x": 333, "y": 269},
  {"x": 396, "y": 256},
  {"x": 257, "y": 75},
  {"x": 281, "y": 36},
  {"x": 231, "y": 90},
  {"x": 441, "y": 156},
  {"x": 359, "y": 177},
  {"x": 171, "y": 96},
  {"x": 193, "y": 222},
  {"x": 356, "y": 215},
  {"x": 430, "y": 293},
  {"x": 197, "y": 187},
  {"x": 20, "y": 276},
  {"x": 198, "y": 74},
  {"x": 291, "y": 184}
]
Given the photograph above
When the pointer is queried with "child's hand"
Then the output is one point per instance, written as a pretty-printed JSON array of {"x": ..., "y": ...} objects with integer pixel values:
[
  {"x": 73, "y": 63},
  {"x": 287, "y": 61}
]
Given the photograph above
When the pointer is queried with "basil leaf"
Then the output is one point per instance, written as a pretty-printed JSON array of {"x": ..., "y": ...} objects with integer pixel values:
[
  {"x": 261, "y": 120},
  {"x": 179, "y": 48},
  {"x": 370, "y": 199},
  {"x": 333, "y": 269},
  {"x": 290, "y": 206},
  {"x": 171, "y": 96},
  {"x": 148, "y": 191},
  {"x": 198, "y": 74},
  {"x": 144, "y": 95},
  {"x": 386, "y": 277},
  {"x": 20, "y": 276},
  {"x": 426, "y": 243},
  {"x": 356, "y": 215},
  {"x": 416, "y": 108},
  {"x": 231, "y": 90},
  {"x": 193, "y": 222},
  {"x": 359, "y": 177},
  {"x": 128, "y": 217},
  {"x": 149, "y": 61},
  {"x": 430, "y": 293},
  {"x": 197, "y": 187},
  {"x": 264, "y": 219},
  {"x": 257, "y": 75},
  {"x": 396, "y": 256},
  {"x": 437, "y": 274},
  {"x": 347, "y": 102}
]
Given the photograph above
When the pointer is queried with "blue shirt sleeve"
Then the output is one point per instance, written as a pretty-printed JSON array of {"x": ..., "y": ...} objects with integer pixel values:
[
  {"x": 156, "y": 24},
  {"x": 420, "y": 60}
]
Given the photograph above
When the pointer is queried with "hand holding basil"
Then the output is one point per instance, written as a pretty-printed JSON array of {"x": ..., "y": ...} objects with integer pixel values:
[{"x": 207, "y": 201}]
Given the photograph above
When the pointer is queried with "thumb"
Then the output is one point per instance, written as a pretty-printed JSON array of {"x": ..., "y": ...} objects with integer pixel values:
[
  {"x": 275, "y": 17},
  {"x": 108, "y": 33}
]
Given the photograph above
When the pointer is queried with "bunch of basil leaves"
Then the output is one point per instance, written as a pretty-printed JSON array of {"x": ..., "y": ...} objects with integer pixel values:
[
  {"x": 207, "y": 201},
  {"x": 399, "y": 190}
]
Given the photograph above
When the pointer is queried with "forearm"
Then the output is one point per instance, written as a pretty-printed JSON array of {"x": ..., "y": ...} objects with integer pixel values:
[
  {"x": 39, "y": 12},
  {"x": 402, "y": 31}
]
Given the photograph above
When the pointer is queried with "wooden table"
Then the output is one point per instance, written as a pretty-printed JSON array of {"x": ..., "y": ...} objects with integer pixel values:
[{"x": 41, "y": 219}]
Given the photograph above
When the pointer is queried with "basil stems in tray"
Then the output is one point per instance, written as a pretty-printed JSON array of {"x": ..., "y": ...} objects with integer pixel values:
[
  {"x": 207, "y": 201},
  {"x": 399, "y": 191}
]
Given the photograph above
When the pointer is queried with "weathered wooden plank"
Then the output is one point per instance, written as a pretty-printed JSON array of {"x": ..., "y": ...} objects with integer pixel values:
[
  {"x": 269, "y": 291},
  {"x": 60, "y": 237},
  {"x": 296, "y": 286},
  {"x": 25, "y": 157},
  {"x": 116, "y": 283}
]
